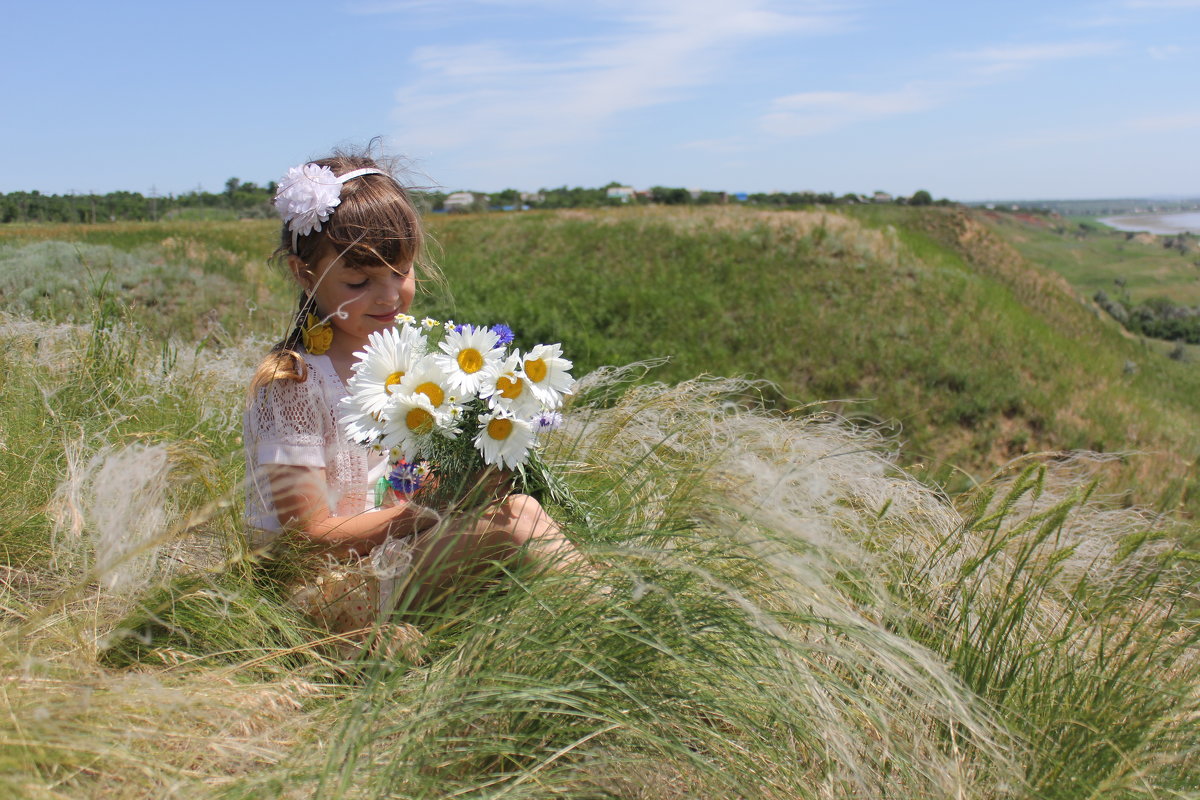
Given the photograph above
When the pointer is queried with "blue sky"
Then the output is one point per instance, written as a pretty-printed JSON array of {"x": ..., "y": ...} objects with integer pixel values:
[{"x": 968, "y": 100}]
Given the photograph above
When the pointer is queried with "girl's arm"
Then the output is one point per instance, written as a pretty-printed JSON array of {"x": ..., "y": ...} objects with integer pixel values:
[{"x": 302, "y": 505}]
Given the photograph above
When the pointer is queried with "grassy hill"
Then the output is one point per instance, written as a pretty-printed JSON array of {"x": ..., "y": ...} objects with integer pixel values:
[
  {"x": 802, "y": 592},
  {"x": 926, "y": 317}
]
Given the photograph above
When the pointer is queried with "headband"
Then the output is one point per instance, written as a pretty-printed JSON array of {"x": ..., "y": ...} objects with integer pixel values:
[{"x": 308, "y": 194}]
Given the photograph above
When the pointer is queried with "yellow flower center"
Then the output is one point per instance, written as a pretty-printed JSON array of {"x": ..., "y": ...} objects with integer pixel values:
[
  {"x": 510, "y": 388},
  {"x": 392, "y": 380},
  {"x": 535, "y": 368},
  {"x": 470, "y": 360},
  {"x": 500, "y": 428},
  {"x": 433, "y": 392},
  {"x": 419, "y": 420}
]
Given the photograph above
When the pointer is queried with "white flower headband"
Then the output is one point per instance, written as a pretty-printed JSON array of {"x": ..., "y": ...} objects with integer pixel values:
[{"x": 308, "y": 194}]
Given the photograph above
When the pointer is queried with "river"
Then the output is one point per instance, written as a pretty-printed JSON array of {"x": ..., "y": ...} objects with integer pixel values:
[{"x": 1185, "y": 222}]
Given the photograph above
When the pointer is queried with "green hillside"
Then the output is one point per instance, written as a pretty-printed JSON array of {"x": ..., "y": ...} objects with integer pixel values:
[
  {"x": 796, "y": 589},
  {"x": 938, "y": 322},
  {"x": 928, "y": 318}
]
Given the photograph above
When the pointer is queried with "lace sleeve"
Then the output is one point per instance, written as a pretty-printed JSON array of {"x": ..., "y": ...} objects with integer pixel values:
[{"x": 285, "y": 424}]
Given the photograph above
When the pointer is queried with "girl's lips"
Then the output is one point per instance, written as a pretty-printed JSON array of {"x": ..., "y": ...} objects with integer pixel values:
[{"x": 388, "y": 317}]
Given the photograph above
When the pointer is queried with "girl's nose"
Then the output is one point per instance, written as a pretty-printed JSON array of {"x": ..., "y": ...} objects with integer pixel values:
[{"x": 390, "y": 292}]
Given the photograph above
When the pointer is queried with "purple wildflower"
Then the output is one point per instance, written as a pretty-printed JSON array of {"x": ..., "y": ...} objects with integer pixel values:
[
  {"x": 504, "y": 332},
  {"x": 405, "y": 478},
  {"x": 547, "y": 421}
]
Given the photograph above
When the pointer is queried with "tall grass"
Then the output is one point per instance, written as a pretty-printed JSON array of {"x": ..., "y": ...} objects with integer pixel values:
[
  {"x": 780, "y": 612},
  {"x": 926, "y": 319}
]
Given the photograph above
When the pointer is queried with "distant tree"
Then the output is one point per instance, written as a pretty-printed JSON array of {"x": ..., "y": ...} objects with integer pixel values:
[
  {"x": 506, "y": 198},
  {"x": 921, "y": 198},
  {"x": 671, "y": 196}
]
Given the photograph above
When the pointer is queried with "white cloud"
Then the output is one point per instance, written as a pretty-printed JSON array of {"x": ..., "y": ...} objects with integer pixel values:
[
  {"x": 817, "y": 112},
  {"x": 516, "y": 99},
  {"x": 1166, "y": 4},
  {"x": 1166, "y": 123},
  {"x": 1136, "y": 128},
  {"x": 1165, "y": 52},
  {"x": 730, "y": 145},
  {"x": 999, "y": 60},
  {"x": 810, "y": 113}
]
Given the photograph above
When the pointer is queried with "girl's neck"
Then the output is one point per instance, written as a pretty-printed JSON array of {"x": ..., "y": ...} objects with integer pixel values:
[{"x": 341, "y": 354}]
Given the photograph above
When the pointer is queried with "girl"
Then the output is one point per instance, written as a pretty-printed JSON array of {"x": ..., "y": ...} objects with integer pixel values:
[{"x": 352, "y": 241}]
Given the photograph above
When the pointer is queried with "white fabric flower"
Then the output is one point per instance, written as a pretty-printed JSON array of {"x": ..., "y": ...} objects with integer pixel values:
[
  {"x": 503, "y": 439},
  {"x": 307, "y": 195},
  {"x": 547, "y": 373},
  {"x": 467, "y": 353}
]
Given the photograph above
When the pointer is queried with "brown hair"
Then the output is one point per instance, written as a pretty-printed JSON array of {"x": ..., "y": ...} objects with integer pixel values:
[{"x": 375, "y": 225}]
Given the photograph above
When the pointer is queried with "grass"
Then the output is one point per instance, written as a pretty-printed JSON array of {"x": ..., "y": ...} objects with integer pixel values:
[
  {"x": 929, "y": 319},
  {"x": 1093, "y": 257},
  {"x": 784, "y": 611}
]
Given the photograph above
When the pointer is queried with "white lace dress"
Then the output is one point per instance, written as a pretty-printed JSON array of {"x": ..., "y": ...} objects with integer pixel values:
[{"x": 295, "y": 423}]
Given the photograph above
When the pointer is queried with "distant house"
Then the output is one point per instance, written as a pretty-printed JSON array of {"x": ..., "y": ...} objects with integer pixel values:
[
  {"x": 532, "y": 197},
  {"x": 464, "y": 201},
  {"x": 622, "y": 193},
  {"x": 881, "y": 197}
]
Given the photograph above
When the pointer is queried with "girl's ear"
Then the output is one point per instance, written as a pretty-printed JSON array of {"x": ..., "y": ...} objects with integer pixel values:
[{"x": 301, "y": 272}]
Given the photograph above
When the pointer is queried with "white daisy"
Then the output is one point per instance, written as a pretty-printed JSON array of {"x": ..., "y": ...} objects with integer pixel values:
[
  {"x": 428, "y": 378},
  {"x": 503, "y": 439},
  {"x": 504, "y": 387},
  {"x": 362, "y": 426},
  {"x": 466, "y": 354},
  {"x": 383, "y": 363},
  {"x": 411, "y": 420},
  {"x": 547, "y": 373},
  {"x": 429, "y": 323}
]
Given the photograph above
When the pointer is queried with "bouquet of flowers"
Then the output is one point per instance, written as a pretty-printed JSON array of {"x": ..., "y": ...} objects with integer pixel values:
[{"x": 453, "y": 396}]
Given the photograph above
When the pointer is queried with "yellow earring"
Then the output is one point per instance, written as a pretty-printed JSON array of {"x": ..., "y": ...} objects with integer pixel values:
[{"x": 317, "y": 335}]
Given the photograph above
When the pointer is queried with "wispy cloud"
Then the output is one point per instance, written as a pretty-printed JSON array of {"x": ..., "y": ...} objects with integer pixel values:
[
  {"x": 810, "y": 113},
  {"x": 1166, "y": 123},
  {"x": 515, "y": 99},
  {"x": 816, "y": 112},
  {"x": 1133, "y": 128},
  {"x": 1164, "y": 4},
  {"x": 1012, "y": 58},
  {"x": 1165, "y": 52}
]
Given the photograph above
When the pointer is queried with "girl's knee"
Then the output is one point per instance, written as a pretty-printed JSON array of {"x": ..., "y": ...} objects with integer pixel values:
[{"x": 530, "y": 520}]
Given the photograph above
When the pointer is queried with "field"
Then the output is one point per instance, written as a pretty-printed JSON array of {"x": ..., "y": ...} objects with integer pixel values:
[
  {"x": 1093, "y": 257},
  {"x": 885, "y": 507}
]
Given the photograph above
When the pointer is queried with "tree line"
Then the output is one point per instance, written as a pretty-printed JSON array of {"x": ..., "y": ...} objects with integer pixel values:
[
  {"x": 248, "y": 200},
  {"x": 239, "y": 200}
]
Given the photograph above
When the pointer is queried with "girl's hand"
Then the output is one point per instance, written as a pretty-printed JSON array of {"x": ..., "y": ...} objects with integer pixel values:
[{"x": 493, "y": 483}]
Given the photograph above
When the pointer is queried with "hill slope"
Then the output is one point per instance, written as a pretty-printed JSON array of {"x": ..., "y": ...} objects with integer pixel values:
[{"x": 923, "y": 316}]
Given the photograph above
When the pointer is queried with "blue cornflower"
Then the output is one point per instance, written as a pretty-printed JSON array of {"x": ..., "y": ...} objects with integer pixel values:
[
  {"x": 547, "y": 421},
  {"x": 406, "y": 477},
  {"x": 504, "y": 332}
]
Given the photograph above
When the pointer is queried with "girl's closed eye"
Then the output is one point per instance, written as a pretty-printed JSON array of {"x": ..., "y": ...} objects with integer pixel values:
[{"x": 360, "y": 285}]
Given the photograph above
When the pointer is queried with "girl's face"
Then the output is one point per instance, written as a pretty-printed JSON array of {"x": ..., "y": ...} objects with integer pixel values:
[{"x": 356, "y": 300}]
